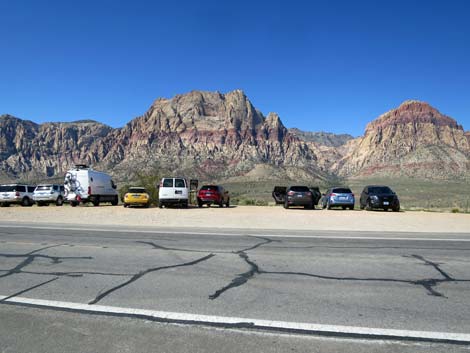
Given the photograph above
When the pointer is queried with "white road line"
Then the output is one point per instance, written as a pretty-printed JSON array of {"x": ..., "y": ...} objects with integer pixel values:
[
  {"x": 192, "y": 232},
  {"x": 236, "y": 322}
]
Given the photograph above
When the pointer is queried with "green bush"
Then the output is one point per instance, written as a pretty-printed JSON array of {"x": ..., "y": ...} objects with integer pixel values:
[{"x": 455, "y": 210}]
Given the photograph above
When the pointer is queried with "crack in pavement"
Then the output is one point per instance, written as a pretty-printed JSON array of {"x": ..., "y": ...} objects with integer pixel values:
[
  {"x": 143, "y": 273},
  {"x": 31, "y": 256},
  {"x": 161, "y": 247},
  {"x": 28, "y": 289}
]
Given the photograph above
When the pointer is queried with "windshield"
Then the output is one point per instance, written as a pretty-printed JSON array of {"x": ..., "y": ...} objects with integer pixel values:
[
  {"x": 299, "y": 188},
  {"x": 380, "y": 190},
  {"x": 43, "y": 187},
  {"x": 209, "y": 187},
  {"x": 7, "y": 188},
  {"x": 137, "y": 190},
  {"x": 342, "y": 191}
]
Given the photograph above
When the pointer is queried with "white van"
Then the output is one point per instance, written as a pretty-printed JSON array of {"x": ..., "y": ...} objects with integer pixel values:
[
  {"x": 83, "y": 184},
  {"x": 173, "y": 191}
]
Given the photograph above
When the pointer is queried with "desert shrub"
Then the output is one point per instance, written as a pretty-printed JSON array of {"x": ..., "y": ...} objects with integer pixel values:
[{"x": 455, "y": 210}]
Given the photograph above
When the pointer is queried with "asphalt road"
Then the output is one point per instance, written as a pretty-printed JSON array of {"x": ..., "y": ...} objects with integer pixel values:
[{"x": 365, "y": 281}]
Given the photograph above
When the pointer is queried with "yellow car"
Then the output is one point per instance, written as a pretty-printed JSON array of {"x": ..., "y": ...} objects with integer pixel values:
[{"x": 136, "y": 196}]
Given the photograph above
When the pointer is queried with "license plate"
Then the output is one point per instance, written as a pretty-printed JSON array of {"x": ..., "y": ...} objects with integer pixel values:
[
  {"x": 135, "y": 195},
  {"x": 343, "y": 198},
  {"x": 178, "y": 192},
  {"x": 386, "y": 203}
]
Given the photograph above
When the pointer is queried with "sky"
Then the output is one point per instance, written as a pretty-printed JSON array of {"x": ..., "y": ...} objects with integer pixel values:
[{"x": 321, "y": 65}]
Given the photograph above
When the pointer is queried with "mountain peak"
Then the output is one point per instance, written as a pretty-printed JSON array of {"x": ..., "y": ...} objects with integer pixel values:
[{"x": 413, "y": 112}]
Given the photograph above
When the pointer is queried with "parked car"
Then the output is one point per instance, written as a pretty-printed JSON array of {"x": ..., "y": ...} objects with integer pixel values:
[
  {"x": 46, "y": 194},
  {"x": 213, "y": 194},
  {"x": 280, "y": 192},
  {"x": 173, "y": 191},
  {"x": 299, "y": 196},
  {"x": 136, "y": 196},
  {"x": 83, "y": 184},
  {"x": 378, "y": 196},
  {"x": 338, "y": 197},
  {"x": 16, "y": 194}
]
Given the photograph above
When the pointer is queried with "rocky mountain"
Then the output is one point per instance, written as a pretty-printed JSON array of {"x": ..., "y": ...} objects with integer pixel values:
[
  {"x": 221, "y": 136},
  {"x": 326, "y": 139},
  {"x": 414, "y": 140}
]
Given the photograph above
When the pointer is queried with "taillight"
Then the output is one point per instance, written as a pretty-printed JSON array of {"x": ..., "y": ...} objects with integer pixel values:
[
  {"x": 17, "y": 193},
  {"x": 332, "y": 195},
  {"x": 290, "y": 193},
  {"x": 308, "y": 193},
  {"x": 89, "y": 190},
  {"x": 352, "y": 195}
]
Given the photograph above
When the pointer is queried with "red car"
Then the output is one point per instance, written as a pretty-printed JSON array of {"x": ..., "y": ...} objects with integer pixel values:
[{"x": 213, "y": 194}]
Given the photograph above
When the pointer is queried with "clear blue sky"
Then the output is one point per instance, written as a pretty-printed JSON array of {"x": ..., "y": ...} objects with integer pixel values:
[{"x": 321, "y": 65}]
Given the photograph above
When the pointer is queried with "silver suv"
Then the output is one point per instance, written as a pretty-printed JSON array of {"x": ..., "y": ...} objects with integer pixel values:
[
  {"x": 16, "y": 193},
  {"x": 46, "y": 194}
]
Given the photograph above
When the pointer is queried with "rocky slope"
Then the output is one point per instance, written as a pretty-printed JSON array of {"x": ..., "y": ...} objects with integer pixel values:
[
  {"x": 414, "y": 140},
  {"x": 220, "y": 136}
]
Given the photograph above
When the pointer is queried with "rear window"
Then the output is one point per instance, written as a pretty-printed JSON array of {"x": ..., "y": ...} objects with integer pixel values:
[
  {"x": 299, "y": 188},
  {"x": 7, "y": 188},
  {"x": 179, "y": 183},
  {"x": 167, "y": 183},
  {"x": 380, "y": 190},
  {"x": 209, "y": 187},
  {"x": 342, "y": 191},
  {"x": 137, "y": 190},
  {"x": 43, "y": 188}
]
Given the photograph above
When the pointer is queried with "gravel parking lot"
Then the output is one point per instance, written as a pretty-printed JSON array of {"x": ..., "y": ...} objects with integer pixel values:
[{"x": 254, "y": 217}]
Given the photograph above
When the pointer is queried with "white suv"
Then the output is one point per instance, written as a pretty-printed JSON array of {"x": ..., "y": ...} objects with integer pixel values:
[
  {"x": 16, "y": 193},
  {"x": 173, "y": 191},
  {"x": 49, "y": 193}
]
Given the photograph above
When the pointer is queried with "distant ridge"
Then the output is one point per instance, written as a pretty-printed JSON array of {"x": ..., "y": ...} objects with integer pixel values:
[{"x": 211, "y": 135}]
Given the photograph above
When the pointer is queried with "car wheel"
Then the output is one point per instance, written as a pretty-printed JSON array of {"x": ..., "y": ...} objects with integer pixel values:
[
  {"x": 351, "y": 208},
  {"x": 73, "y": 203},
  {"x": 160, "y": 204},
  {"x": 59, "y": 201},
  {"x": 5, "y": 204},
  {"x": 385, "y": 209},
  {"x": 125, "y": 205},
  {"x": 25, "y": 202},
  {"x": 286, "y": 205},
  {"x": 396, "y": 209},
  {"x": 368, "y": 206},
  {"x": 96, "y": 202},
  {"x": 115, "y": 201},
  {"x": 40, "y": 204},
  {"x": 343, "y": 207},
  {"x": 328, "y": 206},
  {"x": 185, "y": 204}
]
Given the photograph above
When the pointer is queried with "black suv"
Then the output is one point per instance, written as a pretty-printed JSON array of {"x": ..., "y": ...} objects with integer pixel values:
[{"x": 378, "y": 196}]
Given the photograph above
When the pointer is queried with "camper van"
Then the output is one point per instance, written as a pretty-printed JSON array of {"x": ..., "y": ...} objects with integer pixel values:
[{"x": 83, "y": 184}]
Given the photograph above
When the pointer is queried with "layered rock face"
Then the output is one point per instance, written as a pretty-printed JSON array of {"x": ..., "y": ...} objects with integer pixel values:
[
  {"x": 204, "y": 134},
  {"x": 413, "y": 140},
  {"x": 218, "y": 136},
  {"x": 29, "y": 150}
]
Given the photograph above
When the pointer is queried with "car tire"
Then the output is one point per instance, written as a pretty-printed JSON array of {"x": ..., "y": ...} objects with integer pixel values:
[
  {"x": 59, "y": 201},
  {"x": 185, "y": 204},
  {"x": 125, "y": 205},
  {"x": 115, "y": 201},
  {"x": 73, "y": 203},
  {"x": 368, "y": 206},
  {"x": 160, "y": 204},
  {"x": 96, "y": 201},
  {"x": 343, "y": 207},
  {"x": 40, "y": 204},
  {"x": 396, "y": 209},
  {"x": 199, "y": 203},
  {"x": 351, "y": 208},
  {"x": 26, "y": 202},
  {"x": 328, "y": 206},
  {"x": 286, "y": 205},
  {"x": 386, "y": 209},
  {"x": 5, "y": 204}
]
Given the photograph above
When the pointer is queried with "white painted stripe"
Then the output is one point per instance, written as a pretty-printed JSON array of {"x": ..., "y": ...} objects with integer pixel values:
[
  {"x": 253, "y": 323},
  {"x": 192, "y": 232}
]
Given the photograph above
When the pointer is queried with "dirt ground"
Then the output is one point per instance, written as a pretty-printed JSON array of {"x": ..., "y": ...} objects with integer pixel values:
[{"x": 254, "y": 217}]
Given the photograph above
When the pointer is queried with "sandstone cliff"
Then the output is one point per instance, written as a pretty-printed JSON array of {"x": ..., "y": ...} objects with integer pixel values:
[{"x": 413, "y": 140}]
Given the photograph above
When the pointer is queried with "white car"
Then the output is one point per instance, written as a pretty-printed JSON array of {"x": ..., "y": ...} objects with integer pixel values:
[
  {"x": 46, "y": 194},
  {"x": 16, "y": 194},
  {"x": 173, "y": 191},
  {"x": 83, "y": 184}
]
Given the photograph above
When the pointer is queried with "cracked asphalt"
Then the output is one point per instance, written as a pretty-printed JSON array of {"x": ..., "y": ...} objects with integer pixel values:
[{"x": 388, "y": 282}]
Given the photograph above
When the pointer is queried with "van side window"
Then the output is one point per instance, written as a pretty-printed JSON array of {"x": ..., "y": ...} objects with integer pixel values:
[
  {"x": 179, "y": 183},
  {"x": 20, "y": 188},
  {"x": 56, "y": 187},
  {"x": 167, "y": 183}
]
